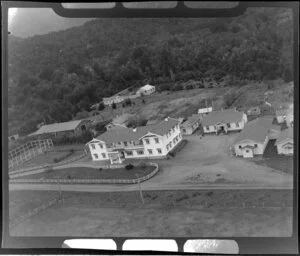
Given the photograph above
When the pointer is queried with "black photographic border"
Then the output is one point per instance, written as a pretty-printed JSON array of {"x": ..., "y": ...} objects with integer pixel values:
[{"x": 247, "y": 245}]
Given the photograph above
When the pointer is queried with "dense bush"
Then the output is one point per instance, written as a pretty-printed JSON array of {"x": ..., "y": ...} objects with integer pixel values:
[
  {"x": 129, "y": 166},
  {"x": 126, "y": 52}
]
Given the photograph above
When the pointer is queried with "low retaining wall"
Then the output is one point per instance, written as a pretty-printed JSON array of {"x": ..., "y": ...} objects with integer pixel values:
[
  {"x": 90, "y": 181},
  {"x": 42, "y": 168}
]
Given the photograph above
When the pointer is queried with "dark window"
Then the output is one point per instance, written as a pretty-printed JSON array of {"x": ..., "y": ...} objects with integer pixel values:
[
  {"x": 147, "y": 141},
  {"x": 255, "y": 145},
  {"x": 125, "y": 143},
  {"x": 129, "y": 153},
  {"x": 93, "y": 146},
  {"x": 150, "y": 151},
  {"x": 100, "y": 145},
  {"x": 103, "y": 155},
  {"x": 141, "y": 152},
  {"x": 156, "y": 140},
  {"x": 240, "y": 146},
  {"x": 96, "y": 156},
  {"x": 159, "y": 151}
]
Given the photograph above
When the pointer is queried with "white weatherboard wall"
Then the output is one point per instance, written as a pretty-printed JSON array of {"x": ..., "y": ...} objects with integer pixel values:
[
  {"x": 259, "y": 150},
  {"x": 283, "y": 150},
  {"x": 170, "y": 138},
  {"x": 154, "y": 146},
  {"x": 281, "y": 119},
  {"x": 233, "y": 126},
  {"x": 95, "y": 148}
]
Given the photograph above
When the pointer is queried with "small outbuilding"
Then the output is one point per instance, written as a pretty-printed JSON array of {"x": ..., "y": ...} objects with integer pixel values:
[
  {"x": 146, "y": 90},
  {"x": 285, "y": 142},
  {"x": 190, "y": 125}
]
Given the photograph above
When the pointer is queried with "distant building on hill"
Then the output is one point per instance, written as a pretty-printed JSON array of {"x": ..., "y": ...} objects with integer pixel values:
[
  {"x": 205, "y": 108},
  {"x": 146, "y": 90}
]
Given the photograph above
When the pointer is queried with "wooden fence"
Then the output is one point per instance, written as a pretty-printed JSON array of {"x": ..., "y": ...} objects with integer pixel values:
[
  {"x": 42, "y": 168},
  {"x": 15, "y": 222},
  {"x": 89, "y": 181}
]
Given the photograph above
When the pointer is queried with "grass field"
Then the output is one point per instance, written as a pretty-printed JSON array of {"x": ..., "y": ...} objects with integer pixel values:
[
  {"x": 165, "y": 213},
  {"x": 50, "y": 156},
  {"x": 93, "y": 173}
]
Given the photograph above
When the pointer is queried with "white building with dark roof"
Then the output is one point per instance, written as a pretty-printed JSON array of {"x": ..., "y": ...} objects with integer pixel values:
[
  {"x": 146, "y": 90},
  {"x": 285, "y": 142},
  {"x": 254, "y": 138},
  {"x": 190, "y": 125},
  {"x": 152, "y": 141},
  {"x": 224, "y": 121}
]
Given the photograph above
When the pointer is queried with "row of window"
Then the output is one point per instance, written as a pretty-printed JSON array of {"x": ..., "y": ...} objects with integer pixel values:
[
  {"x": 169, "y": 133},
  {"x": 176, "y": 139},
  {"x": 255, "y": 145},
  {"x": 142, "y": 152},
  {"x": 228, "y": 126},
  {"x": 155, "y": 139},
  {"x": 97, "y": 156}
]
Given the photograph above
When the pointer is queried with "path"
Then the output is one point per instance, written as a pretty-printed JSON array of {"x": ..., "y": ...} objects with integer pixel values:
[{"x": 135, "y": 187}]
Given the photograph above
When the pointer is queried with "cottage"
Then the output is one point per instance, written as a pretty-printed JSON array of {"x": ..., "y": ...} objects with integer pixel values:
[
  {"x": 114, "y": 99},
  {"x": 66, "y": 128},
  {"x": 254, "y": 138},
  {"x": 254, "y": 111},
  {"x": 224, "y": 121},
  {"x": 190, "y": 125},
  {"x": 285, "y": 142},
  {"x": 205, "y": 108},
  {"x": 146, "y": 90},
  {"x": 152, "y": 141}
]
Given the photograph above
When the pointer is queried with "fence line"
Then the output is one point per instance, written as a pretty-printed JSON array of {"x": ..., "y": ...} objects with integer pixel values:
[
  {"x": 90, "y": 181},
  {"x": 43, "y": 168},
  {"x": 34, "y": 212},
  {"x": 27, "y": 151}
]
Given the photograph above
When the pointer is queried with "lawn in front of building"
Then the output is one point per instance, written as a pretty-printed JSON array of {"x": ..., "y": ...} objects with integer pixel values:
[
  {"x": 92, "y": 173},
  {"x": 271, "y": 159}
]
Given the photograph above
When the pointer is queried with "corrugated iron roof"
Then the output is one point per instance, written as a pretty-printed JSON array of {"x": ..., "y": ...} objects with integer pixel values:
[
  {"x": 58, "y": 127},
  {"x": 256, "y": 130},
  {"x": 285, "y": 134},
  {"x": 222, "y": 116},
  {"x": 118, "y": 135}
]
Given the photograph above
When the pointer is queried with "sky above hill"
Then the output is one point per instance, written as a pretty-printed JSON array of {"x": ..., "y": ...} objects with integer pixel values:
[{"x": 26, "y": 22}]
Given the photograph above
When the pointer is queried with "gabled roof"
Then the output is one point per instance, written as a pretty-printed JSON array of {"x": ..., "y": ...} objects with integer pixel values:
[
  {"x": 191, "y": 120},
  {"x": 222, "y": 116},
  {"x": 126, "y": 134},
  {"x": 58, "y": 127},
  {"x": 256, "y": 130},
  {"x": 285, "y": 135}
]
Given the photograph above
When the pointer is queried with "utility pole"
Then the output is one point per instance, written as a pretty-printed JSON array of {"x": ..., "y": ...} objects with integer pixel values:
[{"x": 140, "y": 189}]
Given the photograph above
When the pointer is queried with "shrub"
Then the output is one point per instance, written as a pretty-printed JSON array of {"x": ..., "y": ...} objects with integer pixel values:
[
  {"x": 189, "y": 87},
  {"x": 100, "y": 169},
  {"x": 129, "y": 167},
  {"x": 177, "y": 87},
  {"x": 55, "y": 160}
]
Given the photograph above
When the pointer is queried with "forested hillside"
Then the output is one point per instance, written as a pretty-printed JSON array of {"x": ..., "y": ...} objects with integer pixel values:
[{"x": 54, "y": 76}]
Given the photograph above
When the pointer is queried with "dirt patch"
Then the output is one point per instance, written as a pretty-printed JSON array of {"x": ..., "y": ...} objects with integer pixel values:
[{"x": 212, "y": 160}]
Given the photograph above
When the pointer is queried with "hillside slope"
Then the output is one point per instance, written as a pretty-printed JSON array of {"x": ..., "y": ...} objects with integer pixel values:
[{"x": 54, "y": 76}]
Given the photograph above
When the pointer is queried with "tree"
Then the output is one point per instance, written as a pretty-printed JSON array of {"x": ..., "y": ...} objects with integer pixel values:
[
  {"x": 143, "y": 100},
  {"x": 128, "y": 102},
  {"x": 101, "y": 106},
  {"x": 114, "y": 106}
]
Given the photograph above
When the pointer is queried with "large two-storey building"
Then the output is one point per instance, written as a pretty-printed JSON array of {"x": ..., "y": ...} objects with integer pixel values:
[{"x": 152, "y": 141}]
